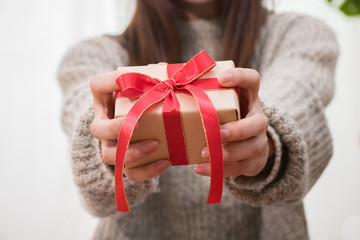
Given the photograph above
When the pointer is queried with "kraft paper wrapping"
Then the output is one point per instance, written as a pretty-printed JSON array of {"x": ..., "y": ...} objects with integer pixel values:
[{"x": 151, "y": 124}]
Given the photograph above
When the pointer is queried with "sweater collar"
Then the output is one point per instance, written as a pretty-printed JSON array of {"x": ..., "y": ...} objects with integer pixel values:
[{"x": 200, "y": 34}]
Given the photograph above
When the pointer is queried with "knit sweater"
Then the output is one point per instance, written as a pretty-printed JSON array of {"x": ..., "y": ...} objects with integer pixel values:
[{"x": 295, "y": 56}]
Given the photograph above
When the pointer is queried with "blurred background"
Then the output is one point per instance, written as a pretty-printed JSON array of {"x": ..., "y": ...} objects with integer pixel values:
[{"x": 38, "y": 197}]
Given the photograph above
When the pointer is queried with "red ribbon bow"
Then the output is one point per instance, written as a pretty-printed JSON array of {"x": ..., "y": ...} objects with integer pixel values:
[{"x": 184, "y": 78}]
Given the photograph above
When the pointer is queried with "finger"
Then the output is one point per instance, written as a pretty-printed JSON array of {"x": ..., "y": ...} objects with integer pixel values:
[
  {"x": 104, "y": 83},
  {"x": 108, "y": 151},
  {"x": 241, "y": 77},
  {"x": 140, "y": 150},
  {"x": 237, "y": 151},
  {"x": 256, "y": 107},
  {"x": 103, "y": 87},
  {"x": 106, "y": 129},
  {"x": 248, "y": 80},
  {"x": 245, "y": 128},
  {"x": 148, "y": 171},
  {"x": 136, "y": 151},
  {"x": 249, "y": 167}
]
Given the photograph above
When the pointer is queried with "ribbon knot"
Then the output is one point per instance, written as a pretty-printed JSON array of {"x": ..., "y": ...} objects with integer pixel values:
[
  {"x": 184, "y": 78},
  {"x": 170, "y": 83}
]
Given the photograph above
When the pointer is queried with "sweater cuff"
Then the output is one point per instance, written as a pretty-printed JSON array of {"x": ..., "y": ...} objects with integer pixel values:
[
  {"x": 283, "y": 173},
  {"x": 95, "y": 178}
]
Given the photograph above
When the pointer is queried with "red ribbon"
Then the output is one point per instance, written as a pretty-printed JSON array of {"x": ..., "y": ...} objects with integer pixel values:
[{"x": 183, "y": 78}]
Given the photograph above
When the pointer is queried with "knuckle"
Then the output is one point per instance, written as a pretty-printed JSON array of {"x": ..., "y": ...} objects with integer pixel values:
[
  {"x": 107, "y": 156},
  {"x": 236, "y": 132},
  {"x": 259, "y": 165},
  {"x": 241, "y": 73},
  {"x": 130, "y": 175},
  {"x": 252, "y": 172},
  {"x": 94, "y": 82},
  {"x": 150, "y": 171},
  {"x": 266, "y": 122},
  {"x": 236, "y": 73},
  {"x": 232, "y": 130},
  {"x": 256, "y": 75},
  {"x": 134, "y": 174},
  {"x": 226, "y": 154},
  {"x": 237, "y": 171},
  {"x": 254, "y": 169},
  {"x": 118, "y": 121},
  {"x": 240, "y": 133},
  {"x": 262, "y": 121},
  {"x": 94, "y": 129},
  {"x": 134, "y": 153},
  {"x": 265, "y": 140},
  {"x": 256, "y": 147},
  {"x": 135, "y": 177}
]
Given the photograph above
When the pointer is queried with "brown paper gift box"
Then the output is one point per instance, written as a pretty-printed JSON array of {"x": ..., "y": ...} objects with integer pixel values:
[{"x": 151, "y": 124}]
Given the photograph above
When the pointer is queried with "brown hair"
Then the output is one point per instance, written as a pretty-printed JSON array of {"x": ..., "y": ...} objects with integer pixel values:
[{"x": 151, "y": 36}]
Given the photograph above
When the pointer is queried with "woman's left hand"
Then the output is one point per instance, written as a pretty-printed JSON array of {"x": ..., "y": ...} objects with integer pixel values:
[{"x": 246, "y": 147}]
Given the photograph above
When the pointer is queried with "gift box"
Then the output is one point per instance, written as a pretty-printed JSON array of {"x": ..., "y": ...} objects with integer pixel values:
[
  {"x": 151, "y": 124},
  {"x": 179, "y": 105}
]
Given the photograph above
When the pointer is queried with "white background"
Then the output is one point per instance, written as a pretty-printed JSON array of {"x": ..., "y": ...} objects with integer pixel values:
[{"x": 38, "y": 198}]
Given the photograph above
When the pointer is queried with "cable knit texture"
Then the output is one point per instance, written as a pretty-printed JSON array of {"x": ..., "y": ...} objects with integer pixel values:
[{"x": 296, "y": 57}]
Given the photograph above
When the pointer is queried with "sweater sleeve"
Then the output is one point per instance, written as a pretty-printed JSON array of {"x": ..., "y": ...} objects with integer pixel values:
[
  {"x": 298, "y": 59},
  {"x": 94, "y": 178}
]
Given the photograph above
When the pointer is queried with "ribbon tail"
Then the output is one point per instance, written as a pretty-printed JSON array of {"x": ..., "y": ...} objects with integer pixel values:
[
  {"x": 155, "y": 95},
  {"x": 212, "y": 133}
]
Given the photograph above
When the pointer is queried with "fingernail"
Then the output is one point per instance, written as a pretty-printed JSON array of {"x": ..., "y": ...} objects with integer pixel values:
[
  {"x": 149, "y": 146},
  {"x": 161, "y": 165},
  {"x": 200, "y": 169},
  {"x": 205, "y": 153},
  {"x": 225, "y": 78},
  {"x": 224, "y": 133}
]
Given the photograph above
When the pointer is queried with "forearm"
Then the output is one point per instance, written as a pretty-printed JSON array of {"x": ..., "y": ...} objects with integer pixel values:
[
  {"x": 94, "y": 178},
  {"x": 297, "y": 83}
]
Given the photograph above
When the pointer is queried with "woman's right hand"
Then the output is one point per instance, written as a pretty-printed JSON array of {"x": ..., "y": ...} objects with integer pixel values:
[{"x": 106, "y": 128}]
